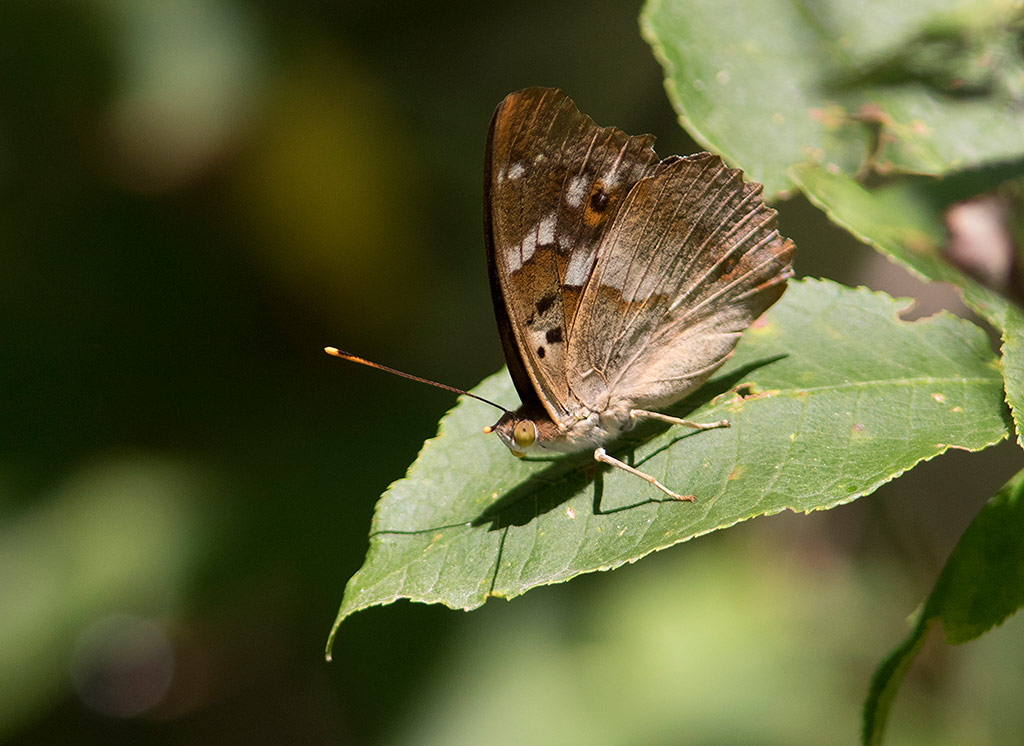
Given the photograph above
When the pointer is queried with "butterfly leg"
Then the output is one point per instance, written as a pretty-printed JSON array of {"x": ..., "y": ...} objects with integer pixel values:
[
  {"x": 602, "y": 455},
  {"x": 637, "y": 413}
]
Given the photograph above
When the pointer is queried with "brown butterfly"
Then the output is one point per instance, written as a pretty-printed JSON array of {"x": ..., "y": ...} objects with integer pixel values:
[{"x": 620, "y": 282}]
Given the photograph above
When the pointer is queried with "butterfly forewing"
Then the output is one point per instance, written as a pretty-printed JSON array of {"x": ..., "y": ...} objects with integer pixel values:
[
  {"x": 554, "y": 182},
  {"x": 692, "y": 258}
]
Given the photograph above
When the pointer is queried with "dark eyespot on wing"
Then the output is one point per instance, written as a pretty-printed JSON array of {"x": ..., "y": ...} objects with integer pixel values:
[
  {"x": 599, "y": 201},
  {"x": 540, "y": 352},
  {"x": 553, "y": 336},
  {"x": 545, "y": 303}
]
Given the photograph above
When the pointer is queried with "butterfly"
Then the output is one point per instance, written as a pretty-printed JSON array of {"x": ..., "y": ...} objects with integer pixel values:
[{"x": 620, "y": 281}]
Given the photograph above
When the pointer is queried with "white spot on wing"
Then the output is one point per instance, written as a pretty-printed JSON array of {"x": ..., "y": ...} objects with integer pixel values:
[
  {"x": 516, "y": 171},
  {"x": 612, "y": 177},
  {"x": 546, "y": 231},
  {"x": 577, "y": 191},
  {"x": 579, "y": 268},
  {"x": 521, "y": 253},
  {"x": 528, "y": 246}
]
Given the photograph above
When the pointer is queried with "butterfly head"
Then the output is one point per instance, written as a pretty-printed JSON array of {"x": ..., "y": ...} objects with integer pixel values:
[
  {"x": 526, "y": 430},
  {"x": 517, "y": 431}
]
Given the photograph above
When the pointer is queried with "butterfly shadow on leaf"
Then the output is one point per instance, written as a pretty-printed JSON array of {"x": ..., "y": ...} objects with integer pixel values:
[{"x": 568, "y": 475}]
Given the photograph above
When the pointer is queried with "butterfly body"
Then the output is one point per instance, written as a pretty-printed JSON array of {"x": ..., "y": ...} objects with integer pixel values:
[{"x": 620, "y": 282}]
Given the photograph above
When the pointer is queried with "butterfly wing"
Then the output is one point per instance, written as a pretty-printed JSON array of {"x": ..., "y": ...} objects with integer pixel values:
[
  {"x": 692, "y": 259},
  {"x": 553, "y": 184}
]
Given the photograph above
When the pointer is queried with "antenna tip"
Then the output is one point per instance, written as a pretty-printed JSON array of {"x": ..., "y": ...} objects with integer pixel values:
[
  {"x": 488, "y": 430},
  {"x": 332, "y": 351}
]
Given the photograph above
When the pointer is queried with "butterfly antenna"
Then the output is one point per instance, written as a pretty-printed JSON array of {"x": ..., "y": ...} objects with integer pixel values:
[{"x": 370, "y": 364}]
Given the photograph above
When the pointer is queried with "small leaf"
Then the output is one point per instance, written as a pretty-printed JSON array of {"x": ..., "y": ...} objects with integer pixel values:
[
  {"x": 904, "y": 221},
  {"x": 897, "y": 86},
  {"x": 829, "y": 395},
  {"x": 981, "y": 584}
]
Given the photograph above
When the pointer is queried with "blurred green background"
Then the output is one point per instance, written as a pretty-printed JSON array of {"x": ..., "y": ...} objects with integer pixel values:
[{"x": 195, "y": 197}]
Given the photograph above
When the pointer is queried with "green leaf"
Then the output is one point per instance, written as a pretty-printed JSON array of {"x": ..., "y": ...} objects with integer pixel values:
[
  {"x": 902, "y": 86},
  {"x": 838, "y": 397},
  {"x": 981, "y": 584},
  {"x": 904, "y": 220}
]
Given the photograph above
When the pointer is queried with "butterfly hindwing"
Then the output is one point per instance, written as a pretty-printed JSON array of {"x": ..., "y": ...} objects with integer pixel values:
[
  {"x": 692, "y": 258},
  {"x": 554, "y": 182}
]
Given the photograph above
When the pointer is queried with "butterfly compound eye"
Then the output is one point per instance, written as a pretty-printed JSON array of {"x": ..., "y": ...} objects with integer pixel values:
[{"x": 525, "y": 434}]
